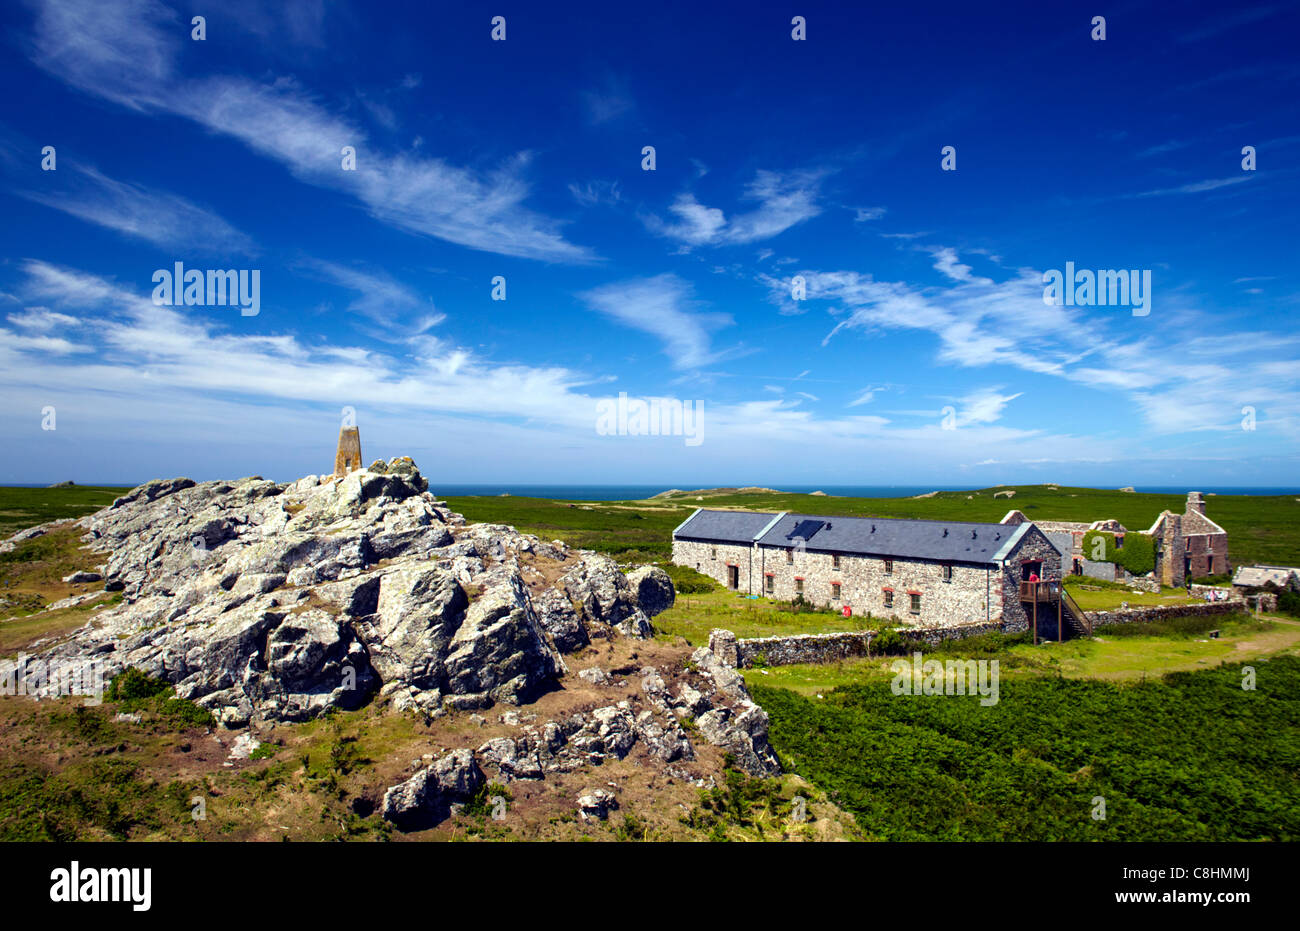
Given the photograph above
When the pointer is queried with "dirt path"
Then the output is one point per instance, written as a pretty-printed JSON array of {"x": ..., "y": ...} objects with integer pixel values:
[{"x": 1273, "y": 641}]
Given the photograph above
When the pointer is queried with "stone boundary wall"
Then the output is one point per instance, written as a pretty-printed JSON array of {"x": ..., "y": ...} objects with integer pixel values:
[
  {"x": 833, "y": 647},
  {"x": 1160, "y": 612},
  {"x": 824, "y": 648}
]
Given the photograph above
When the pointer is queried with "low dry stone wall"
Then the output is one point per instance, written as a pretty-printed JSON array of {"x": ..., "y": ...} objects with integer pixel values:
[
  {"x": 823, "y": 648},
  {"x": 1160, "y": 612}
]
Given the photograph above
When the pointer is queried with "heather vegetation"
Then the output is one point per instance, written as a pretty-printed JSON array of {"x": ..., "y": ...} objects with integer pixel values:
[{"x": 1190, "y": 756}]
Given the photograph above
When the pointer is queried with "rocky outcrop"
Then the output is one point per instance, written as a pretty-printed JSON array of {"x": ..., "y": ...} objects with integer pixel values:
[
  {"x": 426, "y": 798},
  {"x": 596, "y": 804},
  {"x": 654, "y": 589},
  {"x": 709, "y": 698},
  {"x": 603, "y": 597},
  {"x": 274, "y": 602}
]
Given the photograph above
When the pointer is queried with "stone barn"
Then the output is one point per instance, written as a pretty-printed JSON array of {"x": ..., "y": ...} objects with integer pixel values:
[{"x": 924, "y": 573}]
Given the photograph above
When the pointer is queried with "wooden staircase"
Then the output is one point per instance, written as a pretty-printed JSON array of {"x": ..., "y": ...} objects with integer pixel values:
[
  {"x": 1049, "y": 597},
  {"x": 1074, "y": 615}
]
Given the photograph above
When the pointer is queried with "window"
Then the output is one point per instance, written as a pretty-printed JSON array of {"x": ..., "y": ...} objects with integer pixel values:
[
  {"x": 789, "y": 557},
  {"x": 713, "y": 552},
  {"x": 835, "y": 591},
  {"x": 798, "y": 586},
  {"x": 768, "y": 583},
  {"x": 889, "y": 567},
  {"x": 889, "y": 598},
  {"x": 916, "y": 603},
  {"x": 947, "y": 573},
  {"x": 835, "y": 561}
]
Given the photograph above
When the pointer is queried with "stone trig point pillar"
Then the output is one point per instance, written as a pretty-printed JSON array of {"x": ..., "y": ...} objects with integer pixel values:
[{"x": 348, "y": 457}]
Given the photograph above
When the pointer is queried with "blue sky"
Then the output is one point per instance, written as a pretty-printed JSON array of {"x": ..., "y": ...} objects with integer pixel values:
[{"x": 923, "y": 352}]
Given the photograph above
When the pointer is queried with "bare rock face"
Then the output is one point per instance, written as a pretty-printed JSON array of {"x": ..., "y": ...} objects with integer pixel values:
[
  {"x": 654, "y": 589},
  {"x": 426, "y": 798},
  {"x": 709, "y": 692},
  {"x": 275, "y": 602},
  {"x": 498, "y": 653},
  {"x": 596, "y": 804},
  {"x": 604, "y": 597}
]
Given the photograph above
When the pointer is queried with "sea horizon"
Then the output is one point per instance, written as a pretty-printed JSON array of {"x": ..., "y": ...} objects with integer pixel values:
[{"x": 638, "y": 492}]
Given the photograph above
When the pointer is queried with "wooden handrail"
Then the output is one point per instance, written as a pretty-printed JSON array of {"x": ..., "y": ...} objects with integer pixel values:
[{"x": 1040, "y": 591}]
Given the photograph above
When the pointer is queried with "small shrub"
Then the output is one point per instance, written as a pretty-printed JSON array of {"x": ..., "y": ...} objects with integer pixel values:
[
  {"x": 687, "y": 581},
  {"x": 133, "y": 690},
  {"x": 131, "y": 685},
  {"x": 889, "y": 642}
]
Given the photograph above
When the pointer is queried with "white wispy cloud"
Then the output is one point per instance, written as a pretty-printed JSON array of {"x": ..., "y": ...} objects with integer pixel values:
[
  {"x": 664, "y": 307},
  {"x": 866, "y": 396},
  {"x": 983, "y": 406},
  {"x": 147, "y": 372},
  {"x": 608, "y": 102},
  {"x": 594, "y": 193},
  {"x": 1198, "y": 187},
  {"x": 978, "y": 322},
  {"x": 164, "y": 219},
  {"x": 126, "y": 51},
  {"x": 784, "y": 200}
]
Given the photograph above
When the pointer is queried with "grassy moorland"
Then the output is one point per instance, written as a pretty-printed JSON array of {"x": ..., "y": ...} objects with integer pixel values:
[
  {"x": 1152, "y": 718},
  {"x": 21, "y": 508},
  {"x": 1260, "y": 529},
  {"x": 1188, "y": 756}
]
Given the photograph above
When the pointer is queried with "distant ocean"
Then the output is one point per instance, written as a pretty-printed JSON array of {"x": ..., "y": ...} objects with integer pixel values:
[{"x": 638, "y": 492}]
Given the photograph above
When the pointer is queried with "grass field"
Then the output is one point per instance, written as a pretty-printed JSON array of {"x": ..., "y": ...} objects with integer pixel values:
[
  {"x": 694, "y": 615},
  {"x": 1092, "y": 597},
  {"x": 21, "y": 508},
  {"x": 1126, "y": 652},
  {"x": 1152, "y": 718},
  {"x": 1260, "y": 529}
]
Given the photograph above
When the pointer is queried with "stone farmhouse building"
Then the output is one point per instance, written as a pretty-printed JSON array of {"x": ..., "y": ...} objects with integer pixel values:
[
  {"x": 1187, "y": 545},
  {"x": 924, "y": 573},
  {"x": 1261, "y": 576}
]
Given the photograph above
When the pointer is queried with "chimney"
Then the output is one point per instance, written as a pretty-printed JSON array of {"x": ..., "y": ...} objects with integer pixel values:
[{"x": 1195, "y": 502}]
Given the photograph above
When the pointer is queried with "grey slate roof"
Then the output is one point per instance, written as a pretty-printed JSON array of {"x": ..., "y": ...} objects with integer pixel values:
[
  {"x": 945, "y": 541},
  {"x": 723, "y": 526}
]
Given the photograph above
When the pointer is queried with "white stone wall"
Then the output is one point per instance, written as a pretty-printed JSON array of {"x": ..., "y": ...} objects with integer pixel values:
[
  {"x": 712, "y": 559},
  {"x": 973, "y": 596}
]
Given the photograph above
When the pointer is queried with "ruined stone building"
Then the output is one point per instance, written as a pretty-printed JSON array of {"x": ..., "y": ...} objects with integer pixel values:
[
  {"x": 1204, "y": 549},
  {"x": 1187, "y": 545},
  {"x": 925, "y": 573},
  {"x": 1067, "y": 537}
]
